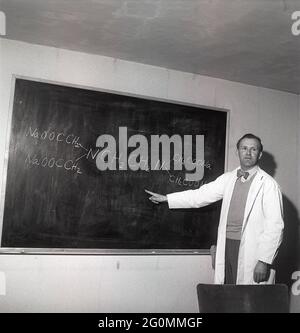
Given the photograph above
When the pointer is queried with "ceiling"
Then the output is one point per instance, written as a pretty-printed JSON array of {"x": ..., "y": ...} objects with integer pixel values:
[{"x": 248, "y": 41}]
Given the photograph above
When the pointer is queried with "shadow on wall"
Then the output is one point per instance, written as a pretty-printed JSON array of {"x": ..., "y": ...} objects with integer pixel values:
[{"x": 287, "y": 260}]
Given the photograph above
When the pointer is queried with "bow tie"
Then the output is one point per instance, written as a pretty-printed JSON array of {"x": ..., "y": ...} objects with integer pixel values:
[{"x": 242, "y": 173}]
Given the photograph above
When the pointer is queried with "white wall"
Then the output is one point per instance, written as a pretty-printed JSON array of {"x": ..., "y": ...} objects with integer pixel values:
[
  {"x": 295, "y": 289},
  {"x": 136, "y": 283}
]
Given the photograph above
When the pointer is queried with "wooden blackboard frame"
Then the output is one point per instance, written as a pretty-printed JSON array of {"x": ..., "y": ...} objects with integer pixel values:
[{"x": 79, "y": 251}]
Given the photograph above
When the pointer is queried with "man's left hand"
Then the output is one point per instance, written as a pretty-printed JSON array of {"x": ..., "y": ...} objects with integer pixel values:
[{"x": 261, "y": 272}]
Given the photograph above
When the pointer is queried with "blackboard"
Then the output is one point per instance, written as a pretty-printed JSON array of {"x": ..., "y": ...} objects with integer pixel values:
[{"x": 79, "y": 161}]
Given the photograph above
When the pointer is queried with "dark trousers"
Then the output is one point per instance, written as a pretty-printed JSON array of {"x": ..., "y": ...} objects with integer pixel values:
[{"x": 231, "y": 260}]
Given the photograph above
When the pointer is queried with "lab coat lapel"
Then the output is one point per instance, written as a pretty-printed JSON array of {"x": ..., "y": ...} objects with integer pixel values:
[
  {"x": 229, "y": 192},
  {"x": 253, "y": 192}
]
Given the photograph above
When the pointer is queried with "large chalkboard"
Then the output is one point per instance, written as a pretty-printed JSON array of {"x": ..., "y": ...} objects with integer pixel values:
[{"x": 79, "y": 161}]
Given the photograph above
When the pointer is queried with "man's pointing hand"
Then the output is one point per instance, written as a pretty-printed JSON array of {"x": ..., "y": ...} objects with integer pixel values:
[{"x": 157, "y": 198}]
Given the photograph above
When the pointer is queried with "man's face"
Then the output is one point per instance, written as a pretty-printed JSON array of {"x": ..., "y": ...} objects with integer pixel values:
[{"x": 249, "y": 153}]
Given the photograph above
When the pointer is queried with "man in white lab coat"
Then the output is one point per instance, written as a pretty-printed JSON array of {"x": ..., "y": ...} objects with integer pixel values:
[{"x": 251, "y": 221}]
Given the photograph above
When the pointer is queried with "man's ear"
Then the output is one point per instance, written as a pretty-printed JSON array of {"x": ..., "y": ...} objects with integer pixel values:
[{"x": 260, "y": 155}]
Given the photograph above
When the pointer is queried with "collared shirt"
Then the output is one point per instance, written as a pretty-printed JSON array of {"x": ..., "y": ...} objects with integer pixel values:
[{"x": 251, "y": 172}]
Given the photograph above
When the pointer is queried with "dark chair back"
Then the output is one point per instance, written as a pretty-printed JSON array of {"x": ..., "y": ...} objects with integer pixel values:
[{"x": 229, "y": 298}]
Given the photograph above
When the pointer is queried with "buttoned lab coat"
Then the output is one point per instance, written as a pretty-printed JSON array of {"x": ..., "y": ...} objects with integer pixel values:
[{"x": 262, "y": 228}]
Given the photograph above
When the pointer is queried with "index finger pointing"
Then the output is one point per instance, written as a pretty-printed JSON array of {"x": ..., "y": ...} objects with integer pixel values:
[{"x": 149, "y": 192}]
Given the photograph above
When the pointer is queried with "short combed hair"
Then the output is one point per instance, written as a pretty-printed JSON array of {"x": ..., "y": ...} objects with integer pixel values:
[{"x": 250, "y": 136}]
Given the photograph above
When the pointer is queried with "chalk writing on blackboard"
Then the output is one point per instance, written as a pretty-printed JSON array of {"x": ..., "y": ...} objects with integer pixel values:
[
  {"x": 159, "y": 149},
  {"x": 53, "y": 136},
  {"x": 47, "y": 161}
]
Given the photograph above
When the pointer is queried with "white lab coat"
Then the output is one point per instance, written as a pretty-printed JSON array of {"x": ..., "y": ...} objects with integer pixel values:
[{"x": 262, "y": 225}]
